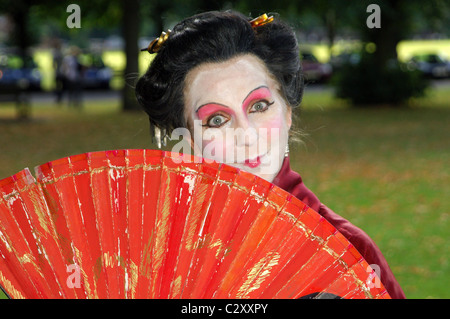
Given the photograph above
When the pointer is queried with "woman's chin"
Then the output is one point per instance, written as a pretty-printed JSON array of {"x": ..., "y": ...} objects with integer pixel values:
[{"x": 264, "y": 167}]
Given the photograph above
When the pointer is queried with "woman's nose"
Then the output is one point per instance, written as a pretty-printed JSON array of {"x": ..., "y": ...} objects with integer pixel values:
[{"x": 245, "y": 132}]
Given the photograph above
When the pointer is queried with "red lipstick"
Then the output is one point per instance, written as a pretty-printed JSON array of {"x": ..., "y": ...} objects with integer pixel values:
[{"x": 253, "y": 163}]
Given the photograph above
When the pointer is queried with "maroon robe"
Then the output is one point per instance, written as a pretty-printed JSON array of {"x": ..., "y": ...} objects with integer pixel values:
[{"x": 291, "y": 182}]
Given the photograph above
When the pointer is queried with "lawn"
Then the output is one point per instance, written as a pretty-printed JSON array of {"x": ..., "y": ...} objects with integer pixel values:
[{"x": 385, "y": 170}]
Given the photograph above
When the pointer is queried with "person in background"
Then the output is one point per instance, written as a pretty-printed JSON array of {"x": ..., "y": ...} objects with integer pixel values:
[{"x": 72, "y": 72}]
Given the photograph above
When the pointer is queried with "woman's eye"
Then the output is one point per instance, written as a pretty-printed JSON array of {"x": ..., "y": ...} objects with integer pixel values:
[
  {"x": 217, "y": 121},
  {"x": 260, "y": 106}
]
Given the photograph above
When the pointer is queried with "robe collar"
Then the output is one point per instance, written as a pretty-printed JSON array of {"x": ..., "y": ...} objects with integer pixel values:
[{"x": 291, "y": 181}]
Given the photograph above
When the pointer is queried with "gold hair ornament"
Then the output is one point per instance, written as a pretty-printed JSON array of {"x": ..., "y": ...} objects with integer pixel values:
[
  {"x": 156, "y": 44},
  {"x": 261, "y": 20}
]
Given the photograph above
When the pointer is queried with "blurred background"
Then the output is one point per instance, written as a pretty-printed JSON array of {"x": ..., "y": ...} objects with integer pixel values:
[{"x": 375, "y": 116}]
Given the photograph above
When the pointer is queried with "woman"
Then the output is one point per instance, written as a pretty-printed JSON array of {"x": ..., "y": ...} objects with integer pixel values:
[{"x": 233, "y": 84}]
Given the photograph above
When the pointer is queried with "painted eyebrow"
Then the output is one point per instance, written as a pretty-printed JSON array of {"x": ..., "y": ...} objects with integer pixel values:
[
  {"x": 211, "y": 103},
  {"x": 255, "y": 89}
]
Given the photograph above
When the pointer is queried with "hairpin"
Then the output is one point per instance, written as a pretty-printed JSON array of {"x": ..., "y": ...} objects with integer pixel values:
[
  {"x": 261, "y": 20},
  {"x": 159, "y": 136},
  {"x": 156, "y": 44}
]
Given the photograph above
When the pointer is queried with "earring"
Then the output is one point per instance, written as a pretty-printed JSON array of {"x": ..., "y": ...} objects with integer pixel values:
[
  {"x": 159, "y": 135},
  {"x": 286, "y": 152}
]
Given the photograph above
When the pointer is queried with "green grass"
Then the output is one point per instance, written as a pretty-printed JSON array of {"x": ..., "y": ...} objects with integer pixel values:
[
  {"x": 385, "y": 170},
  {"x": 53, "y": 133}
]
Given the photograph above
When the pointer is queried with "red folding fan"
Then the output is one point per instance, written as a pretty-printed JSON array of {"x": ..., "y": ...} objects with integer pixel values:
[{"x": 153, "y": 224}]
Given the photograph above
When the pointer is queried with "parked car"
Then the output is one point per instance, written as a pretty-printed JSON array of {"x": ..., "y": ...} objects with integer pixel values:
[
  {"x": 313, "y": 70},
  {"x": 96, "y": 75},
  {"x": 347, "y": 58},
  {"x": 431, "y": 65},
  {"x": 19, "y": 74}
]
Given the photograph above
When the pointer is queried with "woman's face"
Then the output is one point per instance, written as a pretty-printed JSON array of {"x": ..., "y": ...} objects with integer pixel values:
[{"x": 236, "y": 115}]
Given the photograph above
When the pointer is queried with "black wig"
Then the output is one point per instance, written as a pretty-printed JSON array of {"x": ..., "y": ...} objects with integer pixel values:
[{"x": 216, "y": 37}]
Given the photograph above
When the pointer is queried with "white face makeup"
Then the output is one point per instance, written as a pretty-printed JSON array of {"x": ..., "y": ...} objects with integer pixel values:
[{"x": 243, "y": 120}]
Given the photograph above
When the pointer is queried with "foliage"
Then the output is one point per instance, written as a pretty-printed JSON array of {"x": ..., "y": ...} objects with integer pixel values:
[{"x": 367, "y": 84}]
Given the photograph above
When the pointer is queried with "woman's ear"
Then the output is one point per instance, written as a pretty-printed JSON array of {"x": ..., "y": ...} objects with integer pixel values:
[{"x": 289, "y": 117}]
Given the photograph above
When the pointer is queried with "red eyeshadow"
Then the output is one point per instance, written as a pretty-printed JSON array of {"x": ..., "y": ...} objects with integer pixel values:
[
  {"x": 257, "y": 94},
  {"x": 207, "y": 109}
]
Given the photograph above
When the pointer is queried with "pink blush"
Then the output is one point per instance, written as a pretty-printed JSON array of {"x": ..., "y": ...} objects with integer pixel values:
[{"x": 274, "y": 123}]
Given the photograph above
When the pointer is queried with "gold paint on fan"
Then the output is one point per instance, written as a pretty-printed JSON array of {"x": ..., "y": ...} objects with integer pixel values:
[
  {"x": 12, "y": 291},
  {"x": 162, "y": 227},
  {"x": 258, "y": 273},
  {"x": 91, "y": 293},
  {"x": 176, "y": 287}
]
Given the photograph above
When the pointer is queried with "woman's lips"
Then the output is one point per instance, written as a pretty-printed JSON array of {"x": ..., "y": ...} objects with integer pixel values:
[{"x": 253, "y": 163}]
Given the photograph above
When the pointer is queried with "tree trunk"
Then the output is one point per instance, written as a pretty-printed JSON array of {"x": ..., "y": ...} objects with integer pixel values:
[
  {"x": 330, "y": 23},
  {"x": 19, "y": 10},
  {"x": 131, "y": 23},
  {"x": 386, "y": 38}
]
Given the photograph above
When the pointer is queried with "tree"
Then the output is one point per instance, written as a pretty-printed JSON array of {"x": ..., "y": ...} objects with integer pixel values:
[
  {"x": 379, "y": 78},
  {"x": 19, "y": 11},
  {"x": 130, "y": 30}
]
